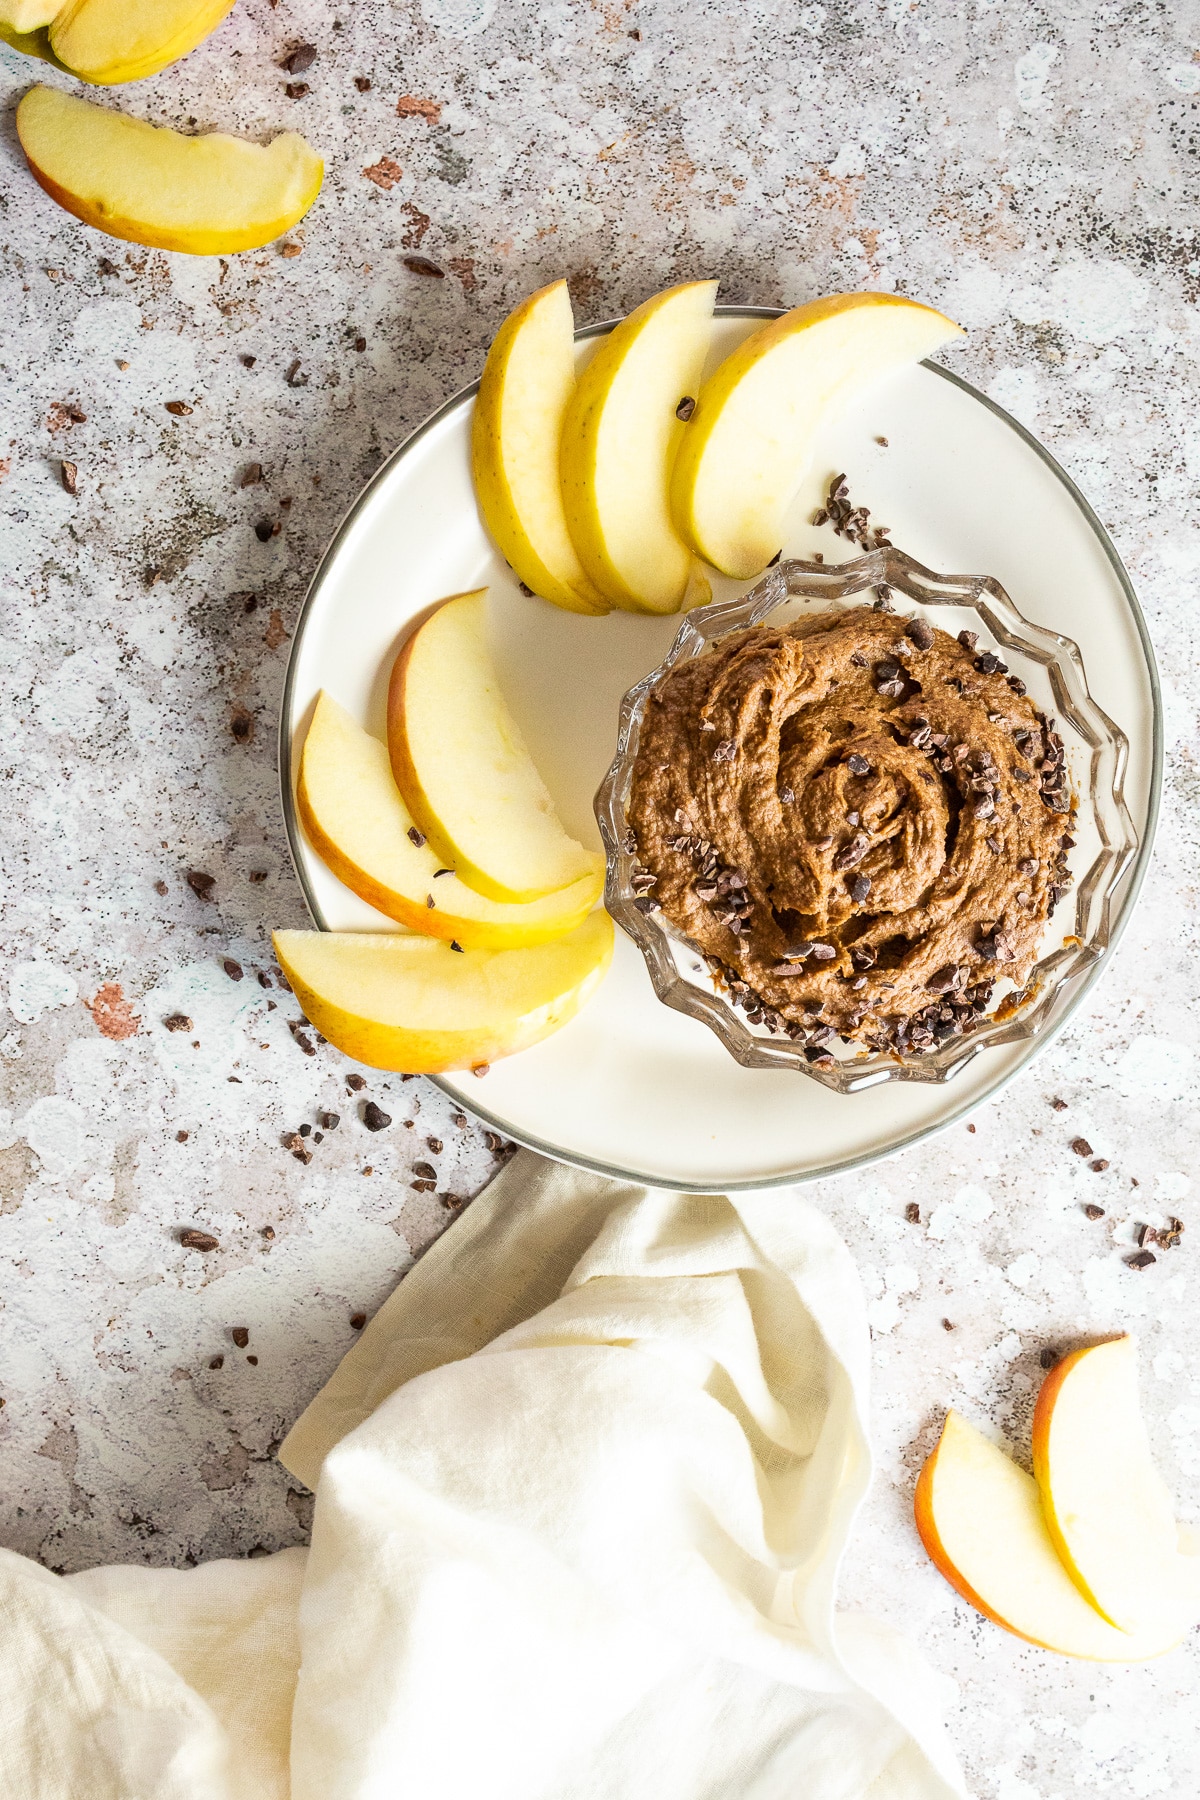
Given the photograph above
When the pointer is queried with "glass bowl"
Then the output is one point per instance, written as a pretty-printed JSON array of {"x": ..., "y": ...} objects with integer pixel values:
[{"x": 1105, "y": 839}]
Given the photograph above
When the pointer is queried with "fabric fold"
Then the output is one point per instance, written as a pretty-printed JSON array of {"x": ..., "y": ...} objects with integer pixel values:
[{"x": 583, "y": 1488}]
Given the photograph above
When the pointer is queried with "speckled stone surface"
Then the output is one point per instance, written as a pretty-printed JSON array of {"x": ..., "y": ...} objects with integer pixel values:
[{"x": 1030, "y": 170}]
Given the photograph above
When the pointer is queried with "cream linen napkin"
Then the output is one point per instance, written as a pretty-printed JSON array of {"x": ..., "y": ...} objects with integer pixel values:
[{"x": 583, "y": 1487}]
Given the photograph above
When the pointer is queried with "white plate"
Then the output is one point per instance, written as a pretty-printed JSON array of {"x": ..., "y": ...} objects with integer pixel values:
[{"x": 630, "y": 1087}]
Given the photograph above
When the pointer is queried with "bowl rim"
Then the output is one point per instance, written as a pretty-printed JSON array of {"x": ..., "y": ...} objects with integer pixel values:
[{"x": 1127, "y": 901}]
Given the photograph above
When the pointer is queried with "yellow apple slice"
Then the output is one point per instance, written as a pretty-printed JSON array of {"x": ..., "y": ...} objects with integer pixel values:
[
  {"x": 108, "y": 41},
  {"x": 31, "y": 43},
  {"x": 528, "y": 379},
  {"x": 1110, "y": 1513},
  {"x": 207, "y": 195},
  {"x": 980, "y": 1519},
  {"x": 619, "y": 440},
  {"x": 462, "y": 768},
  {"x": 350, "y": 807},
  {"x": 21, "y": 17},
  {"x": 751, "y": 437},
  {"x": 414, "y": 1004}
]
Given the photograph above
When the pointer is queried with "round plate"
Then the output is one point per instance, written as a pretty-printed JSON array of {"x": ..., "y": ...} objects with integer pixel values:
[{"x": 629, "y": 1087}]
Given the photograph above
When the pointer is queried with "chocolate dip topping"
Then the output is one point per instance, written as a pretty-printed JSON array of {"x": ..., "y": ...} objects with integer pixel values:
[{"x": 860, "y": 820}]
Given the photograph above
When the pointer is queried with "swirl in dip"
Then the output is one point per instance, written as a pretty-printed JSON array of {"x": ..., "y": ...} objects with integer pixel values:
[{"x": 860, "y": 820}]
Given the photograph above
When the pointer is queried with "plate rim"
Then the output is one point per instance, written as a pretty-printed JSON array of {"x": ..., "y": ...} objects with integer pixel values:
[{"x": 866, "y": 1159}]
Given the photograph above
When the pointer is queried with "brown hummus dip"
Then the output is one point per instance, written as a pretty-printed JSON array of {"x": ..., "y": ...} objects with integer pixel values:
[{"x": 859, "y": 819}]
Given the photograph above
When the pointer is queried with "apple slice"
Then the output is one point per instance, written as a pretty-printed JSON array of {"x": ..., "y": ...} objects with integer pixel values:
[
  {"x": 207, "y": 195},
  {"x": 619, "y": 440},
  {"x": 31, "y": 43},
  {"x": 20, "y": 17},
  {"x": 414, "y": 1004},
  {"x": 1109, "y": 1512},
  {"x": 350, "y": 807},
  {"x": 980, "y": 1519},
  {"x": 756, "y": 421},
  {"x": 528, "y": 379},
  {"x": 108, "y": 41},
  {"x": 462, "y": 767}
]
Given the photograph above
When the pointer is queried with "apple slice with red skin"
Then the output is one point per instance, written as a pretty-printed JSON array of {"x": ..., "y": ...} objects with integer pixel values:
[
  {"x": 1108, "y": 1510},
  {"x": 980, "y": 1519}
]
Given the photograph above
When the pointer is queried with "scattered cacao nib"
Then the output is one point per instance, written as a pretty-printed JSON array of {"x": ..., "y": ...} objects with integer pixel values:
[
  {"x": 69, "y": 476},
  {"x": 330, "y": 1120},
  {"x": 240, "y": 1336},
  {"x": 302, "y": 1040},
  {"x": 264, "y": 980},
  {"x": 1144, "y": 1234},
  {"x": 948, "y": 1325},
  {"x": 201, "y": 884},
  {"x": 481, "y": 1069},
  {"x": 1049, "y": 1358},
  {"x": 416, "y": 837},
  {"x": 296, "y": 90},
  {"x": 301, "y": 58},
  {"x": 374, "y": 1117},
  {"x": 920, "y": 634},
  {"x": 912, "y": 1213},
  {"x": 1099, "y": 1165},
  {"x": 177, "y": 1022},
  {"x": 1058, "y": 1105},
  {"x": 292, "y": 374},
  {"x": 253, "y": 1360},
  {"x": 1081, "y": 1147},
  {"x": 360, "y": 343},
  {"x": 252, "y": 474},
  {"x": 233, "y": 969},
  {"x": 686, "y": 408},
  {"x": 181, "y": 1137},
  {"x": 1170, "y": 1236},
  {"x": 363, "y": 83},
  {"x": 268, "y": 1231},
  {"x": 191, "y": 1239},
  {"x": 179, "y": 409},
  {"x": 1142, "y": 1260},
  {"x": 1092, "y": 1211},
  {"x": 357, "y": 1321},
  {"x": 424, "y": 265},
  {"x": 217, "y": 1362},
  {"x": 355, "y": 1083},
  {"x": 266, "y": 529},
  {"x": 305, "y": 1130}
]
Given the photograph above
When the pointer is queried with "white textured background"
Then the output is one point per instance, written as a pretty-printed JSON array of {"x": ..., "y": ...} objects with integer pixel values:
[{"x": 1029, "y": 168}]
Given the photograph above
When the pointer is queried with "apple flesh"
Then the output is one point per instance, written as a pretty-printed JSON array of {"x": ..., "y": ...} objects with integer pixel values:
[
  {"x": 24, "y": 16},
  {"x": 356, "y": 821},
  {"x": 619, "y": 441},
  {"x": 753, "y": 432},
  {"x": 527, "y": 383},
  {"x": 1109, "y": 1512},
  {"x": 109, "y": 41},
  {"x": 414, "y": 1004},
  {"x": 462, "y": 767},
  {"x": 980, "y": 1519},
  {"x": 208, "y": 195},
  {"x": 31, "y": 43}
]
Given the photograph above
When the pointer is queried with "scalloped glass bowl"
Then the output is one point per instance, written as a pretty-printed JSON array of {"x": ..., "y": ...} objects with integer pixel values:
[{"x": 1105, "y": 839}]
